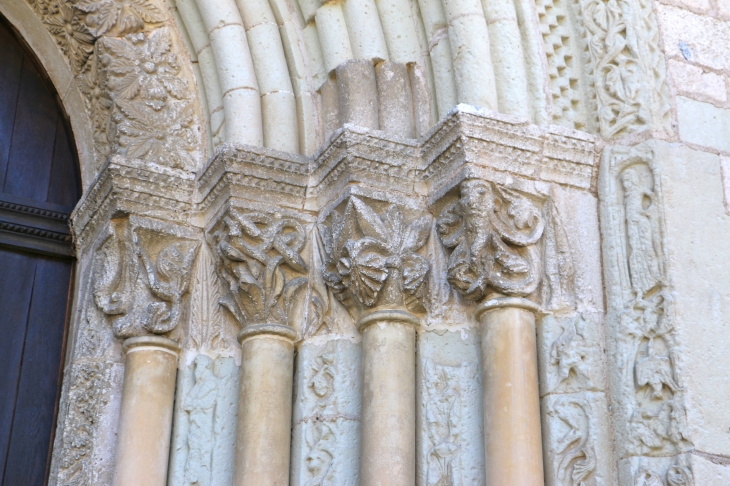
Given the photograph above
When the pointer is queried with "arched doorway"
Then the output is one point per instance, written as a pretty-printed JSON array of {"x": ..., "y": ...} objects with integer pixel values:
[{"x": 39, "y": 186}]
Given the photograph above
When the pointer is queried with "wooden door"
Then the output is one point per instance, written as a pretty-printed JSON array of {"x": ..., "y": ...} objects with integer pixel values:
[{"x": 39, "y": 185}]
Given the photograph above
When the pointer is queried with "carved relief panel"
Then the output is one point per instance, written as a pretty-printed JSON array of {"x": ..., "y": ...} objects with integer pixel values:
[{"x": 650, "y": 416}]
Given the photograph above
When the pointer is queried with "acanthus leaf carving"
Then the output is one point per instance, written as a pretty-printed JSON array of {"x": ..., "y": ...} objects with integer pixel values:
[
  {"x": 120, "y": 16},
  {"x": 370, "y": 259},
  {"x": 253, "y": 248},
  {"x": 66, "y": 25}
]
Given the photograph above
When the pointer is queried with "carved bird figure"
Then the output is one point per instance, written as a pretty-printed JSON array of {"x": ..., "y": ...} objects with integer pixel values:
[{"x": 655, "y": 371}]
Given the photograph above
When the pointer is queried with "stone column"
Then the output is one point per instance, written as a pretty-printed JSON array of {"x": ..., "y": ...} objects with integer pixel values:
[
  {"x": 263, "y": 433},
  {"x": 388, "y": 436},
  {"x": 512, "y": 433},
  {"x": 371, "y": 265},
  {"x": 145, "y": 419}
]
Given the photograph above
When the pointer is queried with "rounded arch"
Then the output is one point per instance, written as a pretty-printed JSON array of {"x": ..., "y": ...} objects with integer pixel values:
[{"x": 35, "y": 35}]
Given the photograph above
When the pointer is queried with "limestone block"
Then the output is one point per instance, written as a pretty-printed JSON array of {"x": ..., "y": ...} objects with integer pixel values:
[
  {"x": 326, "y": 426},
  {"x": 702, "y": 37},
  {"x": 710, "y": 471},
  {"x": 697, "y": 254},
  {"x": 333, "y": 37},
  {"x": 693, "y": 80},
  {"x": 577, "y": 441},
  {"x": 358, "y": 93},
  {"x": 449, "y": 432},
  {"x": 725, "y": 164},
  {"x": 395, "y": 102},
  {"x": 204, "y": 430},
  {"x": 723, "y": 9},
  {"x": 366, "y": 33},
  {"x": 703, "y": 124},
  {"x": 570, "y": 353}
]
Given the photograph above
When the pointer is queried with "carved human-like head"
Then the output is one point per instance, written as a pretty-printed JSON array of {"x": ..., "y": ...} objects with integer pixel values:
[{"x": 476, "y": 198}]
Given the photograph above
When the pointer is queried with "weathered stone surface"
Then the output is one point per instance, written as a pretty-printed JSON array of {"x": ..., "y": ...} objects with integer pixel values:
[{"x": 703, "y": 124}]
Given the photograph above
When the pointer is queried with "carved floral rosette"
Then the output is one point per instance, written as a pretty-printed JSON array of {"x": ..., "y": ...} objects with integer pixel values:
[{"x": 650, "y": 416}]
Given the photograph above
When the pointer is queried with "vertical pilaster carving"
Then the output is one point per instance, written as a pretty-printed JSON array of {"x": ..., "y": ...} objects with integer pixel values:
[
  {"x": 650, "y": 415},
  {"x": 629, "y": 73}
]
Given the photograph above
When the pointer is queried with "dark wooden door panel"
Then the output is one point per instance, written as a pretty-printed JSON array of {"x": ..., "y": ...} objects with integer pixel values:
[
  {"x": 16, "y": 287},
  {"x": 39, "y": 185},
  {"x": 34, "y": 133},
  {"x": 11, "y": 60},
  {"x": 33, "y": 420}
]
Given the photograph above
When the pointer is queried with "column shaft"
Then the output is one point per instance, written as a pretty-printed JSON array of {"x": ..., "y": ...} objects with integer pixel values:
[
  {"x": 145, "y": 419},
  {"x": 263, "y": 436},
  {"x": 512, "y": 432},
  {"x": 388, "y": 453}
]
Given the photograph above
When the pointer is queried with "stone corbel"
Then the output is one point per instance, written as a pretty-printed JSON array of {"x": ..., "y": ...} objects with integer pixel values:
[
  {"x": 373, "y": 268},
  {"x": 502, "y": 246}
]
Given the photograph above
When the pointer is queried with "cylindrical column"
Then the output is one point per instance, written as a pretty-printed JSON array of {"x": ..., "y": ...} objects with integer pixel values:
[
  {"x": 263, "y": 433},
  {"x": 512, "y": 435},
  {"x": 145, "y": 419},
  {"x": 388, "y": 435}
]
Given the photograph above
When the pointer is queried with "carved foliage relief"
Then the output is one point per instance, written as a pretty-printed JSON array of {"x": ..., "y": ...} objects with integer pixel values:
[
  {"x": 261, "y": 267},
  {"x": 141, "y": 278},
  {"x": 641, "y": 309},
  {"x": 371, "y": 259},
  {"x": 125, "y": 64},
  {"x": 628, "y": 71},
  {"x": 499, "y": 239}
]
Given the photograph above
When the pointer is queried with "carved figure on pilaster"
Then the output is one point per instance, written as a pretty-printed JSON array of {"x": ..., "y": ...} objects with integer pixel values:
[
  {"x": 253, "y": 249},
  {"x": 118, "y": 280},
  {"x": 371, "y": 258}
]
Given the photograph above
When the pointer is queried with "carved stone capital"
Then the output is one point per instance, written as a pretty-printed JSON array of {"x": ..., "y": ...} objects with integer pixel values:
[
  {"x": 370, "y": 258},
  {"x": 504, "y": 242},
  {"x": 141, "y": 277},
  {"x": 260, "y": 266}
]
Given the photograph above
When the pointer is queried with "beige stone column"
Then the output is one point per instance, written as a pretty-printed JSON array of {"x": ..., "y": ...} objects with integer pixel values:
[
  {"x": 145, "y": 419},
  {"x": 388, "y": 435},
  {"x": 512, "y": 432},
  {"x": 263, "y": 434}
]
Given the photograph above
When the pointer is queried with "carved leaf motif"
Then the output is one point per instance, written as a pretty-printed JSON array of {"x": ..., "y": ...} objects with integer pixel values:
[
  {"x": 206, "y": 327},
  {"x": 126, "y": 15},
  {"x": 362, "y": 247},
  {"x": 252, "y": 248},
  {"x": 66, "y": 24}
]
